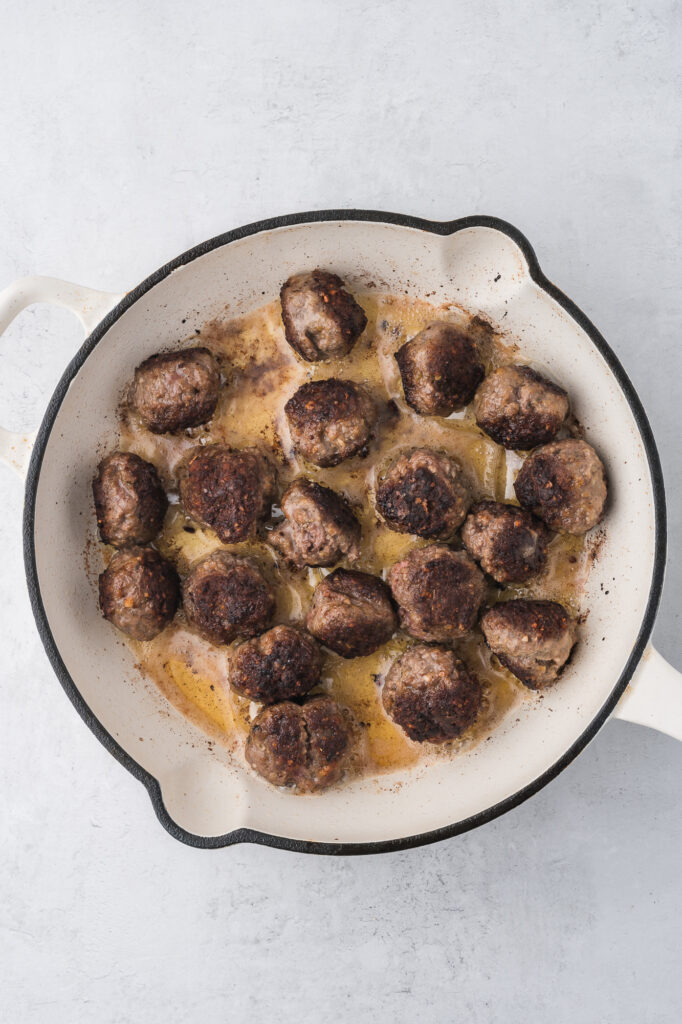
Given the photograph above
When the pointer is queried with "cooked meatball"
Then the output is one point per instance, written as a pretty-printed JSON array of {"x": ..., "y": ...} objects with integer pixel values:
[
  {"x": 430, "y": 693},
  {"x": 302, "y": 745},
  {"x": 321, "y": 319},
  {"x": 533, "y": 639},
  {"x": 130, "y": 502},
  {"x": 230, "y": 491},
  {"x": 320, "y": 528},
  {"x": 565, "y": 484},
  {"x": 175, "y": 390},
  {"x": 509, "y": 542},
  {"x": 440, "y": 370},
  {"x": 519, "y": 408},
  {"x": 439, "y": 592},
  {"x": 424, "y": 493},
  {"x": 330, "y": 420},
  {"x": 351, "y": 613},
  {"x": 226, "y": 597},
  {"x": 138, "y": 592},
  {"x": 283, "y": 663}
]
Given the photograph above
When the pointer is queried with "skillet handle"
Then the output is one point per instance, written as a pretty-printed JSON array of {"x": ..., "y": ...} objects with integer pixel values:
[
  {"x": 654, "y": 696},
  {"x": 88, "y": 305}
]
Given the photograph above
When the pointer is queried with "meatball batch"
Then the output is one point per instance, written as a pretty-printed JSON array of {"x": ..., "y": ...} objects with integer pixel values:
[
  {"x": 533, "y": 639},
  {"x": 508, "y": 542},
  {"x": 431, "y": 694},
  {"x": 138, "y": 592},
  {"x": 306, "y": 746},
  {"x": 226, "y": 597},
  {"x": 438, "y": 591},
  {"x": 519, "y": 408},
  {"x": 564, "y": 483},
  {"x": 130, "y": 501},
  {"x": 172, "y": 391},
  {"x": 424, "y": 493},
  {"x": 321, "y": 319},
  {"x": 440, "y": 370},
  {"x": 320, "y": 528},
  {"x": 282, "y": 664},
  {"x": 351, "y": 613},
  {"x": 330, "y": 420}
]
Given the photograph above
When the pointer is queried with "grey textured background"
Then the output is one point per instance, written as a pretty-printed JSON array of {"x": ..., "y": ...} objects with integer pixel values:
[{"x": 133, "y": 129}]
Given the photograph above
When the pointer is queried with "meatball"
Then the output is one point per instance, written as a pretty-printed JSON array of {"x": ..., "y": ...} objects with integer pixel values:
[
  {"x": 424, "y": 493},
  {"x": 175, "y": 390},
  {"x": 509, "y": 542},
  {"x": 320, "y": 528},
  {"x": 533, "y": 639},
  {"x": 440, "y": 370},
  {"x": 130, "y": 502},
  {"x": 230, "y": 491},
  {"x": 138, "y": 592},
  {"x": 302, "y": 745},
  {"x": 565, "y": 484},
  {"x": 430, "y": 693},
  {"x": 519, "y": 408},
  {"x": 351, "y": 613},
  {"x": 321, "y": 319},
  {"x": 439, "y": 592},
  {"x": 284, "y": 662},
  {"x": 330, "y": 420},
  {"x": 226, "y": 597}
]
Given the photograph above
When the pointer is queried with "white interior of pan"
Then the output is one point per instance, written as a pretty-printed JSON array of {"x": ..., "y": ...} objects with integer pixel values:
[{"x": 204, "y": 792}]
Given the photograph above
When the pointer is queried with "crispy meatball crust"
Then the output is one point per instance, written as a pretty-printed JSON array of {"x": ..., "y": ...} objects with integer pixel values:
[
  {"x": 424, "y": 493},
  {"x": 226, "y": 597},
  {"x": 230, "y": 491},
  {"x": 138, "y": 592},
  {"x": 519, "y": 408},
  {"x": 321, "y": 319},
  {"x": 564, "y": 483},
  {"x": 130, "y": 501},
  {"x": 281, "y": 664},
  {"x": 351, "y": 613},
  {"x": 533, "y": 639},
  {"x": 509, "y": 542},
  {"x": 440, "y": 370},
  {"x": 430, "y": 693},
  {"x": 172, "y": 391},
  {"x": 330, "y": 420},
  {"x": 439, "y": 592},
  {"x": 306, "y": 746},
  {"x": 320, "y": 527}
]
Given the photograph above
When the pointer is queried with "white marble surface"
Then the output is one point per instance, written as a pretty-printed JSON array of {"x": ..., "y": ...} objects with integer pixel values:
[{"x": 131, "y": 130}]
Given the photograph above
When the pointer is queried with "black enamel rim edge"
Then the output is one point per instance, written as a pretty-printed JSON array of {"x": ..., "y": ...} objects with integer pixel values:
[{"x": 246, "y": 835}]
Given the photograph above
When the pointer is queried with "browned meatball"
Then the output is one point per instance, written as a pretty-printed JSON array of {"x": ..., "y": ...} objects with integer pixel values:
[
  {"x": 351, "y": 613},
  {"x": 175, "y": 390},
  {"x": 533, "y": 639},
  {"x": 439, "y": 592},
  {"x": 431, "y": 694},
  {"x": 330, "y": 420},
  {"x": 138, "y": 592},
  {"x": 283, "y": 663},
  {"x": 519, "y": 408},
  {"x": 226, "y": 597},
  {"x": 440, "y": 370},
  {"x": 509, "y": 542},
  {"x": 320, "y": 528},
  {"x": 230, "y": 491},
  {"x": 424, "y": 493},
  {"x": 321, "y": 319},
  {"x": 565, "y": 484},
  {"x": 306, "y": 746},
  {"x": 130, "y": 502}
]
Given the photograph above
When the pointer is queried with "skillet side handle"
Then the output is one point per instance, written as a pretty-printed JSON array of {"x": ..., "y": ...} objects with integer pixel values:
[
  {"x": 654, "y": 696},
  {"x": 89, "y": 305}
]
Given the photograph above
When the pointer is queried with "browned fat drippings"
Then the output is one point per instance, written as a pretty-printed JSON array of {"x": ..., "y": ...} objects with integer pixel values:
[{"x": 262, "y": 374}]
